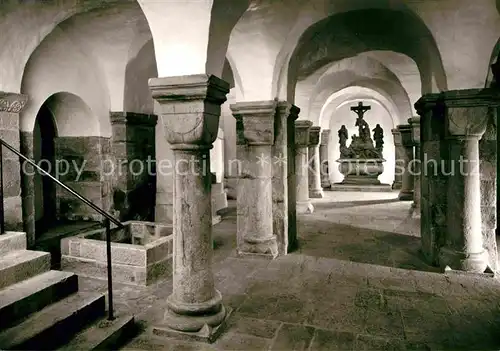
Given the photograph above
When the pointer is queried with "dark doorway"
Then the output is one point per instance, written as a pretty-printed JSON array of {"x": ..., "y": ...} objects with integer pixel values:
[{"x": 45, "y": 188}]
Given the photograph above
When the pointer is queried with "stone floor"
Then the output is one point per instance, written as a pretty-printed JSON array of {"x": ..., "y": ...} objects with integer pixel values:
[{"x": 345, "y": 289}]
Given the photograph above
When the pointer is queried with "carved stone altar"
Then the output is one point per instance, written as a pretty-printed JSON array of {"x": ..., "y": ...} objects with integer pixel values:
[{"x": 362, "y": 162}]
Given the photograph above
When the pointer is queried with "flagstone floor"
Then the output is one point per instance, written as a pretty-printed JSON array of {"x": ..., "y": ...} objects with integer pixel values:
[{"x": 356, "y": 283}]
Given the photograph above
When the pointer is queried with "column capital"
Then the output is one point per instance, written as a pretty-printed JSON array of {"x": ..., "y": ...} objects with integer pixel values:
[
  {"x": 405, "y": 131},
  {"x": 286, "y": 108},
  {"x": 456, "y": 106},
  {"x": 415, "y": 129},
  {"x": 257, "y": 120},
  {"x": 190, "y": 108},
  {"x": 396, "y": 133},
  {"x": 314, "y": 133},
  {"x": 325, "y": 136},
  {"x": 132, "y": 118},
  {"x": 302, "y": 132},
  {"x": 12, "y": 102}
]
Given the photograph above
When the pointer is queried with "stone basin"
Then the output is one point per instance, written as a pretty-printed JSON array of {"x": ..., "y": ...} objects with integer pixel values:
[
  {"x": 361, "y": 171},
  {"x": 141, "y": 253}
]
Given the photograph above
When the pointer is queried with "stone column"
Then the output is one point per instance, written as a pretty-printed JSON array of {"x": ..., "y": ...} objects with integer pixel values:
[
  {"x": 407, "y": 157},
  {"x": 399, "y": 152},
  {"x": 415, "y": 136},
  {"x": 189, "y": 111},
  {"x": 301, "y": 166},
  {"x": 323, "y": 158},
  {"x": 315, "y": 190},
  {"x": 453, "y": 122},
  {"x": 257, "y": 121},
  {"x": 284, "y": 207},
  {"x": 11, "y": 104}
]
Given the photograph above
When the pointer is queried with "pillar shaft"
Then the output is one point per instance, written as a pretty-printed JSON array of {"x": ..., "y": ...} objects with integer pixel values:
[
  {"x": 284, "y": 207},
  {"x": 416, "y": 169},
  {"x": 314, "y": 169},
  {"x": 323, "y": 159},
  {"x": 301, "y": 166},
  {"x": 403, "y": 166},
  {"x": 189, "y": 112},
  {"x": 257, "y": 121},
  {"x": 399, "y": 157}
]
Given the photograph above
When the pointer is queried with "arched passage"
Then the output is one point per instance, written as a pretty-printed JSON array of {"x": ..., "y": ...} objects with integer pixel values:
[{"x": 348, "y": 34}]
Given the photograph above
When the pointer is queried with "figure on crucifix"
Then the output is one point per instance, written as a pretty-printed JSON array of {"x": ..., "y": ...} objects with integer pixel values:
[{"x": 364, "y": 129}]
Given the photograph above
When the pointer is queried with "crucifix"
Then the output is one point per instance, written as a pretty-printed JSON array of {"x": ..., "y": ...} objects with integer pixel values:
[
  {"x": 364, "y": 129},
  {"x": 360, "y": 109}
]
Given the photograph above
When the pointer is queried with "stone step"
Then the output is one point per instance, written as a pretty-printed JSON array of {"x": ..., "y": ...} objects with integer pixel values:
[
  {"x": 103, "y": 335},
  {"x": 54, "y": 325},
  {"x": 31, "y": 295},
  {"x": 16, "y": 266},
  {"x": 12, "y": 241}
]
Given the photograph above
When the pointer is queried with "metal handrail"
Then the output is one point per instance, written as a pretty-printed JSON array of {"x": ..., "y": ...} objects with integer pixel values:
[{"x": 107, "y": 217}]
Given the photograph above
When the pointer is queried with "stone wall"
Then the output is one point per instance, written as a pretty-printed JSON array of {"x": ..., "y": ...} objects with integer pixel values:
[
  {"x": 10, "y": 107},
  {"x": 433, "y": 181},
  {"x": 134, "y": 177},
  {"x": 89, "y": 175},
  {"x": 488, "y": 169}
]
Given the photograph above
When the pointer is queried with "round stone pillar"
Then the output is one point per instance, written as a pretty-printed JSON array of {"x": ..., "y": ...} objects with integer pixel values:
[
  {"x": 399, "y": 157},
  {"x": 407, "y": 157},
  {"x": 417, "y": 165},
  {"x": 257, "y": 122},
  {"x": 301, "y": 166},
  {"x": 189, "y": 109},
  {"x": 314, "y": 169},
  {"x": 323, "y": 159},
  {"x": 464, "y": 249}
]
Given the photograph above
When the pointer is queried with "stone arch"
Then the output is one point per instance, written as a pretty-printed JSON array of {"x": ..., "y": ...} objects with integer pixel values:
[
  {"x": 346, "y": 35},
  {"x": 203, "y": 45},
  {"x": 137, "y": 97},
  {"x": 345, "y": 73},
  {"x": 358, "y": 92},
  {"x": 58, "y": 55},
  {"x": 72, "y": 116},
  {"x": 27, "y": 25}
]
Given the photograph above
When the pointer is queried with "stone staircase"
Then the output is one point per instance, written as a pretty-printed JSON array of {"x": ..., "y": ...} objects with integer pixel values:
[{"x": 42, "y": 309}]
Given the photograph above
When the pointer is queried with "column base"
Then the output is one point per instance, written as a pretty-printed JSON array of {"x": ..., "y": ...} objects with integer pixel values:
[
  {"x": 326, "y": 185},
  {"x": 206, "y": 334},
  {"x": 462, "y": 261},
  {"x": 405, "y": 195},
  {"x": 316, "y": 193},
  {"x": 397, "y": 185},
  {"x": 304, "y": 207},
  {"x": 267, "y": 246}
]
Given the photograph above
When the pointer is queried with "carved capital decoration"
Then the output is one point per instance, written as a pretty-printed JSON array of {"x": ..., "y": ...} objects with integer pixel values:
[
  {"x": 12, "y": 102},
  {"x": 314, "y": 135},
  {"x": 302, "y": 132},
  {"x": 257, "y": 120},
  {"x": 405, "y": 132},
  {"x": 415, "y": 129},
  {"x": 288, "y": 109},
  {"x": 190, "y": 107},
  {"x": 396, "y": 133}
]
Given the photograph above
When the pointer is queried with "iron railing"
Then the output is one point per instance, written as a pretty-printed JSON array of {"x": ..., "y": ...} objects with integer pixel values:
[{"x": 107, "y": 217}]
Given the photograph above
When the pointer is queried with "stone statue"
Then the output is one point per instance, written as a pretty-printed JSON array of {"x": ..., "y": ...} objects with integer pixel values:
[
  {"x": 343, "y": 136},
  {"x": 363, "y": 128},
  {"x": 378, "y": 136}
]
